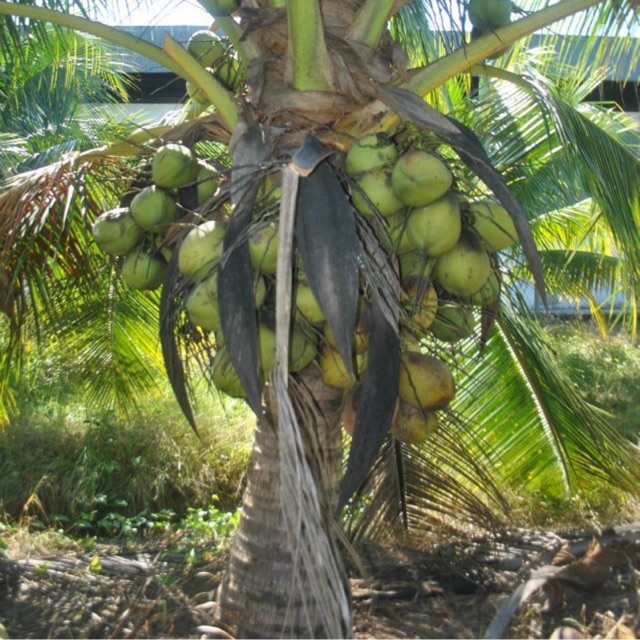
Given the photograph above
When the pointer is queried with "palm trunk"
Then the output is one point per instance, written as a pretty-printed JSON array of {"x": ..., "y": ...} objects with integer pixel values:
[{"x": 257, "y": 596}]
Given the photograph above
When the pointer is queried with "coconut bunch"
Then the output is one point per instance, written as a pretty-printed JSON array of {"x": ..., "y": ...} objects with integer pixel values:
[
  {"x": 220, "y": 59},
  {"x": 136, "y": 231},
  {"x": 445, "y": 248}
]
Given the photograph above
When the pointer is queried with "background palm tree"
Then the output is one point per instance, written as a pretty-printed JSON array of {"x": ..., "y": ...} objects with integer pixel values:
[{"x": 560, "y": 440}]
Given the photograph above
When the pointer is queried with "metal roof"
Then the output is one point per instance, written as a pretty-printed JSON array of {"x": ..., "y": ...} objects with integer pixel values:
[{"x": 628, "y": 68}]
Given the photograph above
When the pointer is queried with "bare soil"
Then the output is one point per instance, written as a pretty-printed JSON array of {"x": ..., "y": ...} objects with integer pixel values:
[{"x": 441, "y": 589}]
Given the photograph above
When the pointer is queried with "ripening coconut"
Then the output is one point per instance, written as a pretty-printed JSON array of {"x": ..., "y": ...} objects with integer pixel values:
[
  {"x": 143, "y": 270},
  {"x": 421, "y": 302},
  {"x": 487, "y": 294},
  {"x": 362, "y": 330},
  {"x": 334, "y": 372},
  {"x": 206, "y": 47},
  {"x": 435, "y": 228},
  {"x": 174, "y": 166},
  {"x": 412, "y": 425},
  {"x": 154, "y": 209},
  {"x": 116, "y": 232},
  {"x": 201, "y": 248},
  {"x": 207, "y": 181},
  {"x": 263, "y": 248},
  {"x": 224, "y": 375},
  {"x": 306, "y": 303},
  {"x": 420, "y": 177},
  {"x": 489, "y": 14},
  {"x": 494, "y": 224},
  {"x": 453, "y": 322},
  {"x": 425, "y": 382},
  {"x": 376, "y": 186},
  {"x": 463, "y": 270},
  {"x": 371, "y": 152}
]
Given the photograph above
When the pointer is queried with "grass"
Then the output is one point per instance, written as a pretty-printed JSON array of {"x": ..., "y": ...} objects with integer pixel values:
[
  {"x": 606, "y": 371},
  {"x": 63, "y": 462}
]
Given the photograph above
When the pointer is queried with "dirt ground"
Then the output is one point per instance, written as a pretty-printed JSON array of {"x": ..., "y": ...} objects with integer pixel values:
[{"x": 448, "y": 589}]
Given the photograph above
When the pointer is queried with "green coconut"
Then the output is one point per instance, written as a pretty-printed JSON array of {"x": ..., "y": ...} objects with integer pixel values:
[
  {"x": 221, "y": 8},
  {"x": 421, "y": 302},
  {"x": 263, "y": 248},
  {"x": 201, "y": 248},
  {"x": 453, "y": 322},
  {"x": 174, "y": 165},
  {"x": 202, "y": 303},
  {"x": 303, "y": 348},
  {"x": 154, "y": 209},
  {"x": 489, "y": 14},
  {"x": 487, "y": 294},
  {"x": 412, "y": 425},
  {"x": 224, "y": 376},
  {"x": 116, "y": 232},
  {"x": 143, "y": 270},
  {"x": 374, "y": 188},
  {"x": 419, "y": 178},
  {"x": 435, "y": 228},
  {"x": 465, "y": 269},
  {"x": 425, "y": 382},
  {"x": 493, "y": 224},
  {"x": 207, "y": 181},
  {"x": 197, "y": 94},
  {"x": 206, "y": 47},
  {"x": 371, "y": 152}
]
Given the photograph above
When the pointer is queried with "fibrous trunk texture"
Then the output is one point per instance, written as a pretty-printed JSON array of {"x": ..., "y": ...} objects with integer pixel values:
[{"x": 257, "y": 596}]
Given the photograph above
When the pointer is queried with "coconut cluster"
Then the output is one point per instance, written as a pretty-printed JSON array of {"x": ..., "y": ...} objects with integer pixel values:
[
  {"x": 137, "y": 232},
  {"x": 446, "y": 250},
  {"x": 220, "y": 59}
]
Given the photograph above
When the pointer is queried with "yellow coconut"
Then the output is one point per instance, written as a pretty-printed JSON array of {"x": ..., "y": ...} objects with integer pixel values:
[
  {"x": 465, "y": 269},
  {"x": 493, "y": 224},
  {"x": 154, "y": 209},
  {"x": 334, "y": 372},
  {"x": 116, "y": 232},
  {"x": 425, "y": 382},
  {"x": 435, "y": 228},
  {"x": 421, "y": 302},
  {"x": 371, "y": 152},
  {"x": 201, "y": 248},
  {"x": 174, "y": 166},
  {"x": 143, "y": 270},
  {"x": 420, "y": 178},
  {"x": 306, "y": 303},
  {"x": 412, "y": 425}
]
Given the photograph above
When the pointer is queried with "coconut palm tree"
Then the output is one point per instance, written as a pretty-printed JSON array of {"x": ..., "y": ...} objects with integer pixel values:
[{"x": 320, "y": 76}]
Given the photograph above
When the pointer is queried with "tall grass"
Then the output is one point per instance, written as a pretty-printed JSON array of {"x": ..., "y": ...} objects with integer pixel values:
[{"x": 61, "y": 457}]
